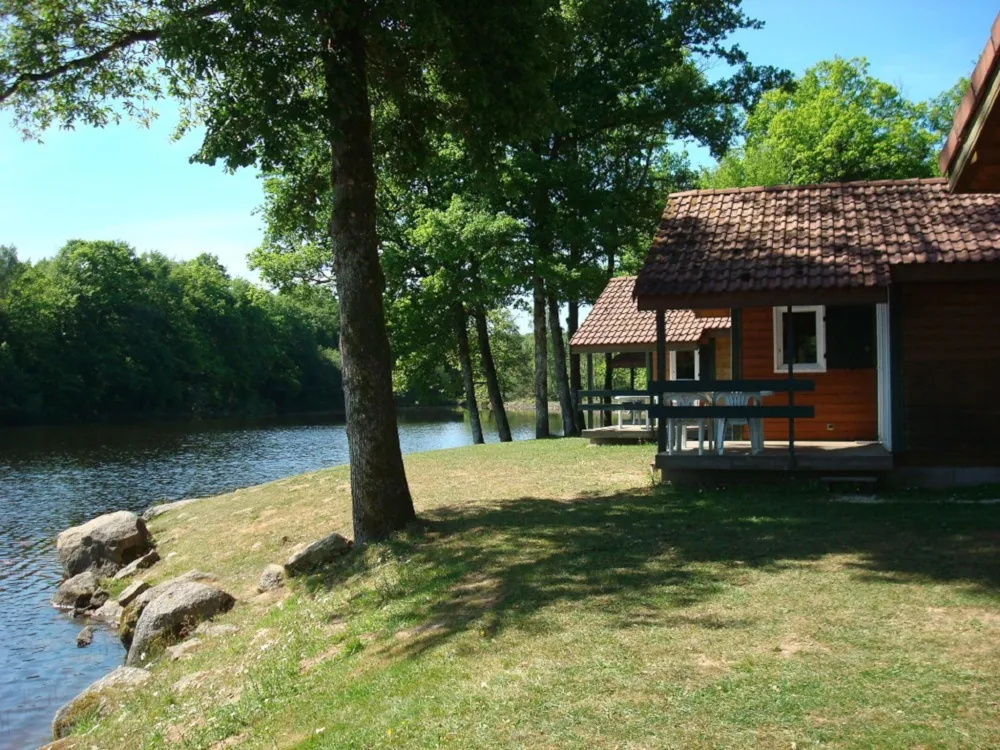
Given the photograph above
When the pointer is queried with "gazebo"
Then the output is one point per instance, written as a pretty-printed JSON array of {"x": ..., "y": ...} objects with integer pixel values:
[{"x": 697, "y": 345}]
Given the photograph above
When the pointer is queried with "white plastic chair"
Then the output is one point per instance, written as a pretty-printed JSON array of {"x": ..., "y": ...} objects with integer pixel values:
[
  {"x": 677, "y": 428},
  {"x": 755, "y": 424}
]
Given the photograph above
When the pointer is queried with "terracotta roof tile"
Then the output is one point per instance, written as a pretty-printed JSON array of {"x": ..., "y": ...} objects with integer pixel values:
[
  {"x": 814, "y": 236},
  {"x": 616, "y": 321}
]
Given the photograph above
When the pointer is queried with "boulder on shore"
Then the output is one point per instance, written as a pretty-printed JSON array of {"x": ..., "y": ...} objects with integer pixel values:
[
  {"x": 171, "y": 614},
  {"x": 109, "y": 612},
  {"x": 104, "y": 545},
  {"x": 308, "y": 557},
  {"x": 133, "y": 590},
  {"x": 94, "y": 699},
  {"x": 80, "y": 593},
  {"x": 85, "y": 637},
  {"x": 140, "y": 563}
]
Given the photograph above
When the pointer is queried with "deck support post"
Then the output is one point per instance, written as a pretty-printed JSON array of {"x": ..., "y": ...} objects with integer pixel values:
[
  {"x": 661, "y": 371},
  {"x": 790, "y": 361},
  {"x": 590, "y": 387}
]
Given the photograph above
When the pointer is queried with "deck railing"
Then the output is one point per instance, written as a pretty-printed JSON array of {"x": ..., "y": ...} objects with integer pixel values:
[{"x": 662, "y": 411}]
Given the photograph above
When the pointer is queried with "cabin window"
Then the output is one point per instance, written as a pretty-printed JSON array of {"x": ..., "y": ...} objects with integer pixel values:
[
  {"x": 685, "y": 364},
  {"x": 808, "y": 350}
]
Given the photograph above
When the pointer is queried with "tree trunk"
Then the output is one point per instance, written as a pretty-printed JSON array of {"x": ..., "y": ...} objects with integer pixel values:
[
  {"x": 461, "y": 328},
  {"x": 380, "y": 496},
  {"x": 562, "y": 379},
  {"x": 492, "y": 382},
  {"x": 541, "y": 361}
]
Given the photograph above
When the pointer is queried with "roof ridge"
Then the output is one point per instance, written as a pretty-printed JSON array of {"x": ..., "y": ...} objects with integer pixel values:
[{"x": 814, "y": 186}]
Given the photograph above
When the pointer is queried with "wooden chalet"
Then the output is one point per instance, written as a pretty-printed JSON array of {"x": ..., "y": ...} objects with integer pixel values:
[{"x": 865, "y": 316}]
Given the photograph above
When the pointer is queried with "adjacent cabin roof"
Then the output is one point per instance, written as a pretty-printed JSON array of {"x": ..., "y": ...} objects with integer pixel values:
[
  {"x": 971, "y": 155},
  {"x": 615, "y": 324},
  {"x": 839, "y": 241}
]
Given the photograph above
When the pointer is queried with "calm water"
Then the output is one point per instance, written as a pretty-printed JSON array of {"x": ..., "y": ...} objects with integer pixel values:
[{"x": 53, "y": 478}]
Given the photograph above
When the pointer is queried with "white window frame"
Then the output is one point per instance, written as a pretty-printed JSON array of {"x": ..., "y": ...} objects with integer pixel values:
[
  {"x": 697, "y": 364},
  {"x": 779, "y": 339}
]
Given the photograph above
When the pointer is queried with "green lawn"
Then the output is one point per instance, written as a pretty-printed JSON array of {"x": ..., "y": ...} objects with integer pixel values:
[{"x": 552, "y": 596}]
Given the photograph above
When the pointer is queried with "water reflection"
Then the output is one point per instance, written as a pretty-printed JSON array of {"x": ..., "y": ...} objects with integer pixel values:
[{"x": 51, "y": 478}]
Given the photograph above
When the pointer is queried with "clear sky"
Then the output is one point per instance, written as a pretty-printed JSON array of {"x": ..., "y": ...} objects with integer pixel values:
[{"x": 136, "y": 185}]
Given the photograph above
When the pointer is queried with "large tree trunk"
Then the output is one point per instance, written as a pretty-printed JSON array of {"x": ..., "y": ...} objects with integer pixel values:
[
  {"x": 562, "y": 379},
  {"x": 492, "y": 382},
  {"x": 572, "y": 324},
  {"x": 462, "y": 330},
  {"x": 380, "y": 496},
  {"x": 541, "y": 361}
]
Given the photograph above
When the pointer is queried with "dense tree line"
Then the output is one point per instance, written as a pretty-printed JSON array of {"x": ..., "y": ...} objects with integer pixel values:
[{"x": 99, "y": 332}]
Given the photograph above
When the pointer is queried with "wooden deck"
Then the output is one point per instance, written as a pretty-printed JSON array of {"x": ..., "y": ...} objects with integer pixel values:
[
  {"x": 810, "y": 456},
  {"x": 627, "y": 434}
]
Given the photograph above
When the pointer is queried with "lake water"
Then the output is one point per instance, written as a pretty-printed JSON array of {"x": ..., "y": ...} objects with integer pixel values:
[{"x": 52, "y": 478}]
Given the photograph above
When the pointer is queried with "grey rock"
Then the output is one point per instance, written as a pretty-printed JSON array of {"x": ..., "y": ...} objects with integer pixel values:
[
  {"x": 215, "y": 629},
  {"x": 172, "y": 613},
  {"x": 131, "y": 592},
  {"x": 93, "y": 697},
  {"x": 158, "y": 510},
  {"x": 272, "y": 578},
  {"x": 85, "y": 637},
  {"x": 141, "y": 563},
  {"x": 109, "y": 612},
  {"x": 77, "y": 593},
  {"x": 104, "y": 545},
  {"x": 183, "y": 649},
  {"x": 308, "y": 557}
]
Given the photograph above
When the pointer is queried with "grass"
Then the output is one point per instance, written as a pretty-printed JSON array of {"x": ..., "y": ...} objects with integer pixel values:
[{"x": 552, "y": 596}]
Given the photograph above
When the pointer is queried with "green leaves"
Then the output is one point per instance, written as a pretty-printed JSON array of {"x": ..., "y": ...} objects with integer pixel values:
[{"x": 837, "y": 124}]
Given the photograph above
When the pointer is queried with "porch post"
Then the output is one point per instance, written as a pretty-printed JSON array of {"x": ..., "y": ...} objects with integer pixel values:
[
  {"x": 590, "y": 387},
  {"x": 661, "y": 371},
  {"x": 631, "y": 378},
  {"x": 790, "y": 360}
]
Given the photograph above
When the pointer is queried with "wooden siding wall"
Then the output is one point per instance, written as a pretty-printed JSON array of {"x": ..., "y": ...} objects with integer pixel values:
[
  {"x": 845, "y": 399},
  {"x": 951, "y": 373},
  {"x": 723, "y": 358}
]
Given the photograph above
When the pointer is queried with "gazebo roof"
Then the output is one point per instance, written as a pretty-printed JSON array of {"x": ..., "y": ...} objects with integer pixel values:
[{"x": 615, "y": 324}]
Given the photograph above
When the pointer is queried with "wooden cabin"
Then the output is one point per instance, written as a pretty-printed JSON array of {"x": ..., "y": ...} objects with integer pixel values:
[{"x": 882, "y": 299}]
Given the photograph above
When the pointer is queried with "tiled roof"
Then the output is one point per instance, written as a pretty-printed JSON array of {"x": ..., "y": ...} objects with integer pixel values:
[
  {"x": 979, "y": 84},
  {"x": 837, "y": 235},
  {"x": 616, "y": 321}
]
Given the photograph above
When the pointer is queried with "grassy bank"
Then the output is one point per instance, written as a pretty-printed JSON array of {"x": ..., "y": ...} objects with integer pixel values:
[{"x": 553, "y": 597}]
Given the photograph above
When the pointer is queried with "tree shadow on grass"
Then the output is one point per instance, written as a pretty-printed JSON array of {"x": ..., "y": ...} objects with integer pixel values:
[{"x": 645, "y": 556}]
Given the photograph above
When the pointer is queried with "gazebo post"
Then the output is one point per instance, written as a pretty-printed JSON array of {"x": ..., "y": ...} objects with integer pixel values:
[
  {"x": 590, "y": 387},
  {"x": 661, "y": 370}
]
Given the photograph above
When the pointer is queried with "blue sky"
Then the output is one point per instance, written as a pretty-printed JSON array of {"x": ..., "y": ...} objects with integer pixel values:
[{"x": 136, "y": 185}]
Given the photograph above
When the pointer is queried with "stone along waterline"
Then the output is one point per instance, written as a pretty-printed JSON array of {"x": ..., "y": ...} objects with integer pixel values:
[{"x": 54, "y": 478}]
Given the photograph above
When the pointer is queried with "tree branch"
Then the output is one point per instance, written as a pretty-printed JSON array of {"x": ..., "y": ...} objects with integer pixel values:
[{"x": 97, "y": 57}]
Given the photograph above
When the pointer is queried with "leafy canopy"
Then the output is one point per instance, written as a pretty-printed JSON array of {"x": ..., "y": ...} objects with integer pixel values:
[{"x": 838, "y": 123}]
